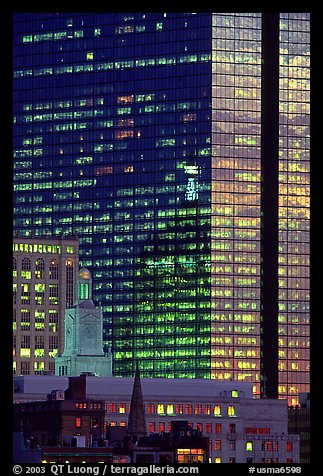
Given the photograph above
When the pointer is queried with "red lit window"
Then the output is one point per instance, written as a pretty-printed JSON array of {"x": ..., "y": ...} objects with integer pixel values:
[
  {"x": 151, "y": 408},
  {"x": 113, "y": 407},
  {"x": 275, "y": 445},
  {"x": 169, "y": 426},
  {"x": 207, "y": 410},
  {"x": 78, "y": 422},
  {"x": 151, "y": 427},
  {"x": 217, "y": 445},
  {"x": 208, "y": 427},
  {"x": 218, "y": 428},
  {"x": 257, "y": 431},
  {"x": 179, "y": 409},
  {"x": 189, "y": 409},
  {"x": 289, "y": 446},
  {"x": 161, "y": 427},
  {"x": 123, "y": 423},
  {"x": 198, "y": 409},
  {"x": 232, "y": 428},
  {"x": 269, "y": 446}
]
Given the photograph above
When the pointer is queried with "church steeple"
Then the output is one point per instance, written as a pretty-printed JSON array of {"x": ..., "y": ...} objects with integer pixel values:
[{"x": 137, "y": 419}]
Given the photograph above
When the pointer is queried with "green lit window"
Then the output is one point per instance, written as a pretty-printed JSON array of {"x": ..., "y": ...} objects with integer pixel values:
[
  {"x": 39, "y": 353},
  {"x": 27, "y": 39},
  {"x": 84, "y": 291},
  {"x": 235, "y": 393},
  {"x": 40, "y": 288},
  {"x": 39, "y": 366},
  {"x": 249, "y": 446}
]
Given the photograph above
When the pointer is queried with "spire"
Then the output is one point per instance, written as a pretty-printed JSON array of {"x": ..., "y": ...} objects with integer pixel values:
[{"x": 137, "y": 419}]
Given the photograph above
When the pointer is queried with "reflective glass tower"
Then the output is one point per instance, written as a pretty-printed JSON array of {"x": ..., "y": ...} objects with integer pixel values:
[{"x": 145, "y": 134}]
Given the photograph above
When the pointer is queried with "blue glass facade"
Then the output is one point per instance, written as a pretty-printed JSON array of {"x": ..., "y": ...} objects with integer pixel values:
[{"x": 140, "y": 134}]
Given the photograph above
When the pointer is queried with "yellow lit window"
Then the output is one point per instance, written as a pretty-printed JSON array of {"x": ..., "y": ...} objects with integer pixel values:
[
  {"x": 217, "y": 410},
  {"x": 218, "y": 459},
  {"x": 122, "y": 408},
  {"x": 161, "y": 409},
  {"x": 231, "y": 410},
  {"x": 25, "y": 353},
  {"x": 170, "y": 409}
]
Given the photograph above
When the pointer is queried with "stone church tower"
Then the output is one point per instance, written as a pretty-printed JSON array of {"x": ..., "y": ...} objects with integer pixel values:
[{"x": 83, "y": 343}]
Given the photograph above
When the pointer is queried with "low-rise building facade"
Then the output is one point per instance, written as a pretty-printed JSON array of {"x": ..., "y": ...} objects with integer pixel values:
[{"x": 240, "y": 429}]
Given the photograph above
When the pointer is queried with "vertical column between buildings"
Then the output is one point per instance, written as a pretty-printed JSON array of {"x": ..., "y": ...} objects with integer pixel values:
[{"x": 269, "y": 203}]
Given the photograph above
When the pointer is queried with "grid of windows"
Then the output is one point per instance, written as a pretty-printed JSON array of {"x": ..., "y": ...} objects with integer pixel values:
[
  {"x": 143, "y": 138},
  {"x": 236, "y": 154},
  {"x": 294, "y": 206},
  {"x": 39, "y": 304}
]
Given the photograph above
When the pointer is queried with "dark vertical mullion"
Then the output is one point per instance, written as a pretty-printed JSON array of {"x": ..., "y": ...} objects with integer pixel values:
[{"x": 269, "y": 203}]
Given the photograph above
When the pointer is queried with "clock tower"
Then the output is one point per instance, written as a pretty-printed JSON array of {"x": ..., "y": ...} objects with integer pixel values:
[{"x": 83, "y": 343}]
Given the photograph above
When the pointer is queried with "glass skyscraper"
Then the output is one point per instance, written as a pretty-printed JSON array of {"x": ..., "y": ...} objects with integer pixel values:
[{"x": 144, "y": 134}]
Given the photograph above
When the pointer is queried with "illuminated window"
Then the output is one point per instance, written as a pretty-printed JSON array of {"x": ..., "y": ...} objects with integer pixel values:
[
  {"x": 217, "y": 445},
  {"x": 249, "y": 446},
  {"x": 218, "y": 459},
  {"x": 189, "y": 409},
  {"x": 198, "y": 409},
  {"x": 40, "y": 268},
  {"x": 170, "y": 409},
  {"x": 53, "y": 269},
  {"x": 207, "y": 410},
  {"x": 218, "y": 428},
  {"x": 78, "y": 422},
  {"x": 289, "y": 446},
  {"x": 151, "y": 427},
  {"x": 122, "y": 408},
  {"x": 232, "y": 428},
  {"x": 231, "y": 411},
  {"x": 179, "y": 409},
  {"x": 25, "y": 268},
  {"x": 125, "y": 99},
  {"x": 161, "y": 409},
  {"x": 235, "y": 393},
  {"x": 217, "y": 410},
  {"x": 151, "y": 408},
  {"x": 208, "y": 427},
  {"x": 161, "y": 427}
]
